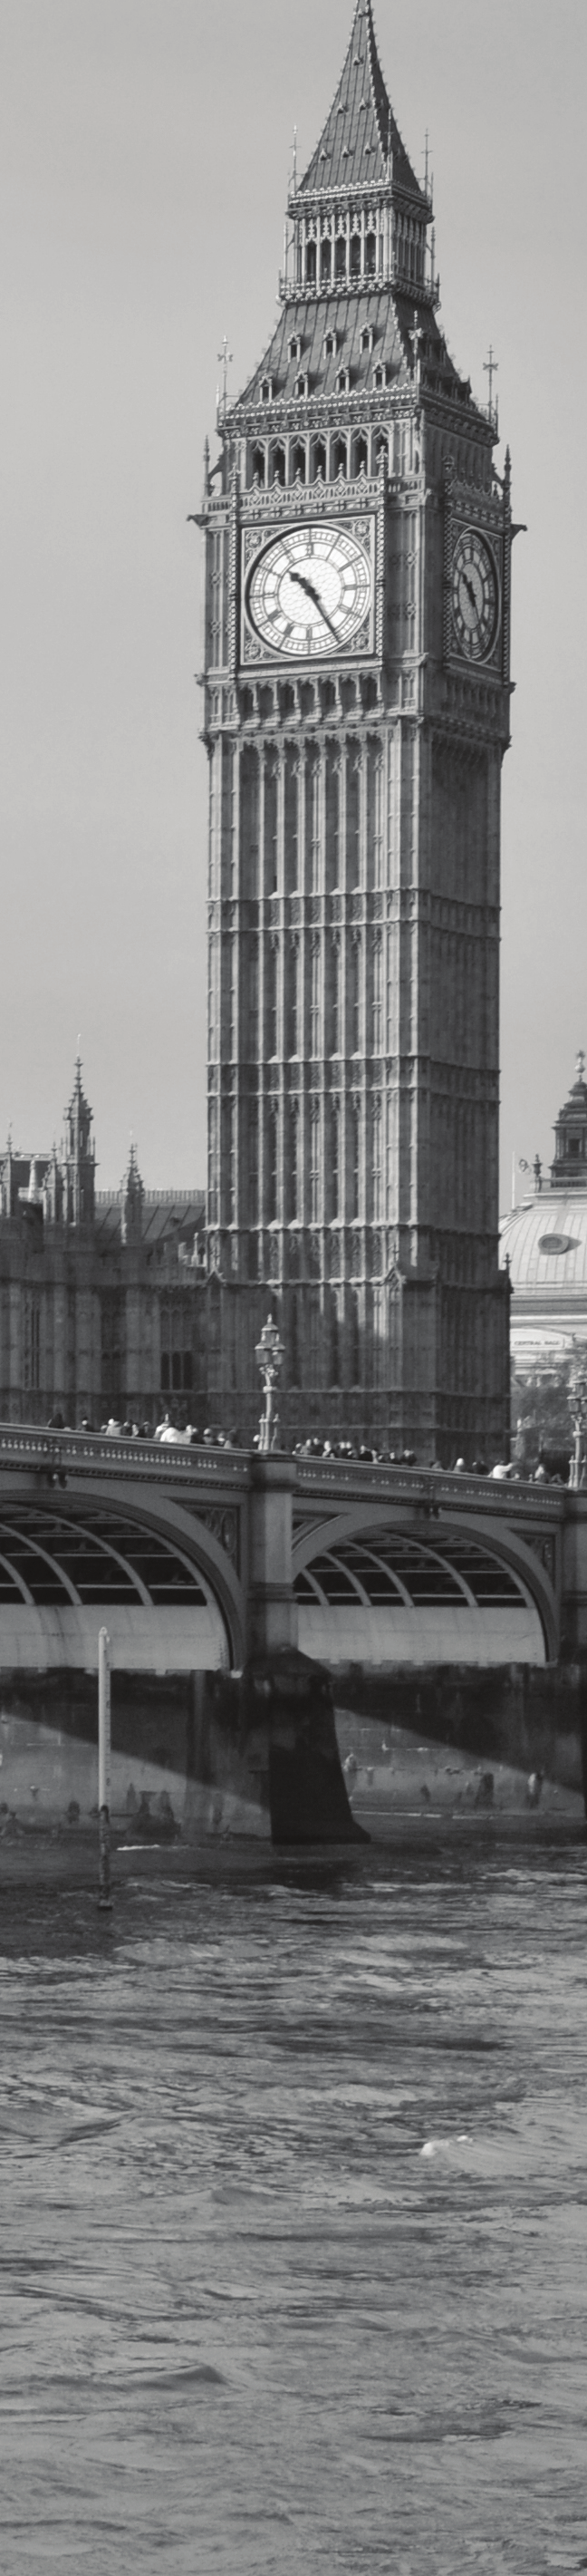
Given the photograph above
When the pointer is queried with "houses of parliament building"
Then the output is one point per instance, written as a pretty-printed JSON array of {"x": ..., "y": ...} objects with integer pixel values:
[{"x": 356, "y": 692}]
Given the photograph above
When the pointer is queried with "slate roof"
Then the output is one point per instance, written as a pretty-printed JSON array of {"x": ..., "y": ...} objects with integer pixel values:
[
  {"x": 167, "y": 1217},
  {"x": 360, "y": 128},
  {"x": 346, "y": 317}
]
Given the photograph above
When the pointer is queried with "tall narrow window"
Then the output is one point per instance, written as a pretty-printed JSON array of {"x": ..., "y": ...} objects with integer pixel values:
[
  {"x": 250, "y": 821},
  {"x": 315, "y": 999},
  {"x": 355, "y": 1339},
  {"x": 356, "y": 255},
  {"x": 253, "y": 1162},
  {"x": 259, "y": 464},
  {"x": 370, "y": 255},
  {"x": 314, "y": 1339},
  {"x": 291, "y": 821},
  {"x": 273, "y": 1140},
  {"x": 314, "y": 1166},
  {"x": 313, "y": 822},
  {"x": 213, "y": 1000},
  {"x": 295, "y": 1164},
  {"x": 336, "y": 1170},
  {"x": 296, "y": 1015},
  {"x": 294, "y": 1343},
  {"x": 378, "y": 1336},
  {"x": 376, "y": 1167},
  {"x": 212, "y": 1163},
  {"x": 233, "y": 1169},
  {"x": 337, "y": 995},
  {"x": 339, "y": 457},
  {"x": 332, "y": 820},
  {"x": 353, "y": 817},
  {"x": 272, "y": 999},
  {"x": 325, "y": 263},
  {"x": 279, "y": 465},
  {"x": 356, "y": 996},
  {"x": 340, "y": 258},
  {"x": 253, "y": 998},
  {"x": 233, "y": 997},
  {"x": 334, "y": 1371},
  {"x": 377, "y": 1032},
  {"x": 311, "y": 264},
  {"x": 356, "y": 1134},
  {"x": 271, "y": 826},
  {"x": 374, "y": 814},
  {"x": 299, "y": 463}
]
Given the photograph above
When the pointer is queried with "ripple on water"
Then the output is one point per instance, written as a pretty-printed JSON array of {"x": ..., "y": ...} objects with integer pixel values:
[{"x": 295, "y": 2219}]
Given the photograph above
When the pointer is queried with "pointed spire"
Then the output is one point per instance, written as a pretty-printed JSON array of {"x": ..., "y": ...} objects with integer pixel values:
[
  {"x": 360, "y": 144},
  {"x": 132, "y": 1199}
]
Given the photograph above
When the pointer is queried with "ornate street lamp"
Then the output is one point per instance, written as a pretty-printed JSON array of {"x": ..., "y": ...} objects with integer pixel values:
[{"x": 269, "y": 1354}]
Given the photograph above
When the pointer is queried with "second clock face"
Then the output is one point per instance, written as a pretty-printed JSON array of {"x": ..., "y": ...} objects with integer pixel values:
[
  {"x": 310, "y": 591},
  {"x": 475, "y": 598}
]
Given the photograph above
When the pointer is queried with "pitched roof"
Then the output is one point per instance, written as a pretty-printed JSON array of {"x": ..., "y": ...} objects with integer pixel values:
[
  {"x": 330, "y": 334},
  {"x": 360, "y": 129}
]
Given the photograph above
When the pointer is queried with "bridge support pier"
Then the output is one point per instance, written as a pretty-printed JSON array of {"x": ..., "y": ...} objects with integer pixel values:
[{"x": 272, "y": 1625}]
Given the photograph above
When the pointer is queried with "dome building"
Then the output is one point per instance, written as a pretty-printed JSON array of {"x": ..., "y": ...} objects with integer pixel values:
[{"x": 544, "y": 1246}]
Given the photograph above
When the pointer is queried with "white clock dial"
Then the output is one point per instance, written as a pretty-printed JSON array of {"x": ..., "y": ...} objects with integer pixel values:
[
  {"x": 475, "y": 597},
  {"x": 310, "y": 591}
]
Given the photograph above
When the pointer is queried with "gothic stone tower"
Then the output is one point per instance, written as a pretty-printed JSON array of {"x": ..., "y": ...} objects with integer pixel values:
[{"x": 356, "y": 679}]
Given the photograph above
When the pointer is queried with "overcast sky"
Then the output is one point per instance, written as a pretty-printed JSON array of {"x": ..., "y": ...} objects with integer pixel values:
[{"x": 144, "y": 158}]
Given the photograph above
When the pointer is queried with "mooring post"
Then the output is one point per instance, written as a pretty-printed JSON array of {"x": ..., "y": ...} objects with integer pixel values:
[{"x": 104, "y": 1899}]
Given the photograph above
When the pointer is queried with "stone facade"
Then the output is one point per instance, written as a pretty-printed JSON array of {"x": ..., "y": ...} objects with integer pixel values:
[
  {"x": 100, "y": 1291},
  {"x": 356, "y": 712}
]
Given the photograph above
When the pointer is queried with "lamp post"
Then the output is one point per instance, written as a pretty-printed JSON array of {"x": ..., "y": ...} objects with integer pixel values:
[{"x": 269, "y": 1354}]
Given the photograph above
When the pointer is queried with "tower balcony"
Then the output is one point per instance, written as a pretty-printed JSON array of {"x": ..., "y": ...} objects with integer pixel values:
[{"x": 419, "y": 290}]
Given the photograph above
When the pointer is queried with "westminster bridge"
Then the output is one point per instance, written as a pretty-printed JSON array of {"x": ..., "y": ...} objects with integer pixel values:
[{"x": 451, "y": 1602}]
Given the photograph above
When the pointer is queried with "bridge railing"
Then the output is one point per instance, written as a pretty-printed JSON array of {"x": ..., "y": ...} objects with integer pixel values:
[
  {"x": 29, "y": 1449},
  {"x": 33, "y": 1449}
]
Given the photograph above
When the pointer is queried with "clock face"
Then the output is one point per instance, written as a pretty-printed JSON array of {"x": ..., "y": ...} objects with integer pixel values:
[
  {"x": 475, "y": 596},
  {"x": 310, "y": 591}
]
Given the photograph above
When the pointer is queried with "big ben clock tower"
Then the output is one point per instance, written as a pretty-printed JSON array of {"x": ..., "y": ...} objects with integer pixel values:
[{"x": 356, "y": 682}]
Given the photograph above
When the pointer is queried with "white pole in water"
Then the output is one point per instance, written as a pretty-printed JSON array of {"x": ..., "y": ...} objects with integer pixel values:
[{"x": 105, "y": 1899}]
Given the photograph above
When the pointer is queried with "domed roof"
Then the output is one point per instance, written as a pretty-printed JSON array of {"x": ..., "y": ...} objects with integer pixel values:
[{"x": 545, "y": 1242}]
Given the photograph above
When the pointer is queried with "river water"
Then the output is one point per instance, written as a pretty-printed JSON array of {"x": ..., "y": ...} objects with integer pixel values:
[{"x": 294, "y": 2216}]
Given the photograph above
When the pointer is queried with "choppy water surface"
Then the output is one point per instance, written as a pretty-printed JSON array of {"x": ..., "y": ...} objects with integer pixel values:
[{"x": 294, "y": 2214}]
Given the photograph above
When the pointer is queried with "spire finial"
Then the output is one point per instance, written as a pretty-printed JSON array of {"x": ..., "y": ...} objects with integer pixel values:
[
  {"x": 490, "y": 369},
  {"x": 224, "y": 361},
  {"x": 581, "y": 1065}
]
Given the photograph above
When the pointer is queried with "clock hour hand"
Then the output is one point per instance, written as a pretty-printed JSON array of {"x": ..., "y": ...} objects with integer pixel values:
[
  {"x": 314, "y": 595},
  {"x": 471, "y": 592}
]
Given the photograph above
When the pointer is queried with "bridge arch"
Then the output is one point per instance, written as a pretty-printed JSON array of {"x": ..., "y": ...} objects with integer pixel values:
[
  {"x": 381, "y": 1587},
  {"x": 88, "y": 1555}
]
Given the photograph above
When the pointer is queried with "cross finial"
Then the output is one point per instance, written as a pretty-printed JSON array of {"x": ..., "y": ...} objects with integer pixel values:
[
  {"x": 294, "y": 175},
  {"x": 416, "y": 335},
  {"x": 581, "y": 1065},
  {"x": 426, "y": 166},
  {"x": 490, "y": 369},
  {"x": 224, "y": 361}
]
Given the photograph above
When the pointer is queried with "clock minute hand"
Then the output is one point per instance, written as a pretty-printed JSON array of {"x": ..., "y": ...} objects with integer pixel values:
[{"x": 314, "y": 595}]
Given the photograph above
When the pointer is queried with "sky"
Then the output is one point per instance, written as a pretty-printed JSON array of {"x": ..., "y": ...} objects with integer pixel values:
[{"x": 145, "y": 149}]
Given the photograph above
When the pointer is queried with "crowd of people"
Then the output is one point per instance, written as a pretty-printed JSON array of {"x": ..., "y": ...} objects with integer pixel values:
[{"x": 188, "y": 1436}]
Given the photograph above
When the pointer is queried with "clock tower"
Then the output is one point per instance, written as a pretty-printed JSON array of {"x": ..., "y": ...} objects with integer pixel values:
[{"x": 356, "y": 693}]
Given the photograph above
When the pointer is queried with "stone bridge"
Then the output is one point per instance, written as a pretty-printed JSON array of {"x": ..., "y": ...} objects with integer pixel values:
[{"x": 197, "y": 1558}]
